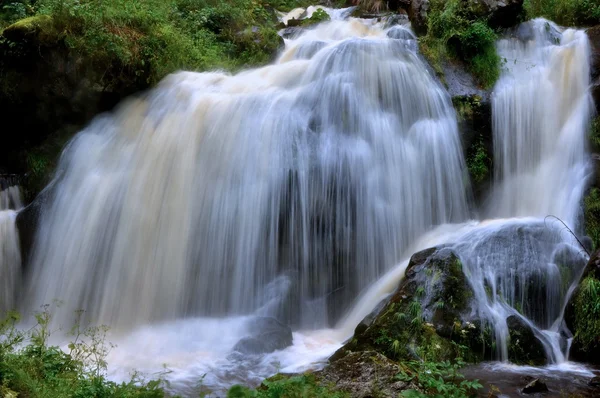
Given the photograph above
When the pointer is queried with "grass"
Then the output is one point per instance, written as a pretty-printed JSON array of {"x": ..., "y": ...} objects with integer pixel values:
[
  {"x": 565, "y": 12},
  {"x": 31, "y": 367},
  {"x": 287, "y": 387}
]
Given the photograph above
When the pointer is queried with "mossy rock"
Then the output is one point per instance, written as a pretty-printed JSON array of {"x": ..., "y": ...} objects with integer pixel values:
[
  {"x": 424, "y": 317},
  {"x": 523, "y": 347},
  {"x": 582, "y": 315},
  {"x": 39, "y": 28}
]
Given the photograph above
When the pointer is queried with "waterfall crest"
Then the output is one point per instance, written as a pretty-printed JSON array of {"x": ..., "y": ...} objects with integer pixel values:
[{"x": 283, "y": 190}]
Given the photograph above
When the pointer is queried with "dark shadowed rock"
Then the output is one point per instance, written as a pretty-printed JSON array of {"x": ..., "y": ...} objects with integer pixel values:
[
  {"x": 418, "y": 15},
  {"x": 523, "y": 347},
  {"x": 594, "y": 382},
  {"x": 267, "y": 335},
  {"x": 594, "y": 37},
  {"x": 534, "y": 387}
]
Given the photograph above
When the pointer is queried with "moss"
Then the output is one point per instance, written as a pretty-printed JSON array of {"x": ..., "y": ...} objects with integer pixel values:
[
  {"x": 455, "y": 32},
  {"x": 587, "y": 314},
  {"x": 318, "y": 16},
  {"x": 591, "y": 207}
]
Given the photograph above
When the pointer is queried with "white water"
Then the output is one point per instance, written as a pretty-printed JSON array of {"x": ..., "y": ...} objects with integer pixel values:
[
  {"x": 286, "y": 189},
  {"x": 293, "y": 189},
  {"x": 10, "y": 254},
  {"x": 541, "y": 112}
]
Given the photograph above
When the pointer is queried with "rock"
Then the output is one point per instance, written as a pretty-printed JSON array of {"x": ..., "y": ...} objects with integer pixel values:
[
  {"x": 594, "y": 37},
  {"x": 364, "y": 374},
  {"x": 501, "y": 13},
  {"x": 421, "y": 317},
  {"x": 291, "y": 32},
  {"x": 418, "y": 15},
  {"x": 594, "y": 382},
  {"x": 28, "y": 220},
  {"x": 401, "y": 18},
  {"x": 268, "y": 335},
  {"x": 534, "y": 387},
  {"x": 523, "y": 347}
]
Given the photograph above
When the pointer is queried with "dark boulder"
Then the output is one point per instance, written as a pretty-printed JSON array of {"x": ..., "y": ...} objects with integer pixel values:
[
  {"x": 523, "y": 347},
  {"x": 267, "y": 335},
  {"x": 423, "y": 317},
  {"x": 418, "y": 15},
  {"x": 536, "y": 386}
]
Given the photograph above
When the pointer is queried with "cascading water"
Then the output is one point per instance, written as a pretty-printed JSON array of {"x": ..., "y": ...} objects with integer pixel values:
[
  {"x": 541, "y": 111},
  {"x": 286, "y": 189},
  {"x": 10, "y": 254}
]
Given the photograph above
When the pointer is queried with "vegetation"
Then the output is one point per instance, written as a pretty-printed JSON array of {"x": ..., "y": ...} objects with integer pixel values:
[
  {"x": 591, "y": 209},
  {"x": 287, "y": 387},
  {"x": 565, "y": 12},
  {"x": 30, "y": 367},
  {"x": 587, "y": 314},
  {"x": 454, "y": 32},
  {"x": 438, "y": 379},
  {"x": 318, "y": 16},
  {"x": 478, "y": 163}
]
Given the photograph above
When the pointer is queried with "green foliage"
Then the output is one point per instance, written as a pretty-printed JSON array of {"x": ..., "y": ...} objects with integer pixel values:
[
  {"x": 318, "y": 16},
  {"x": 565, "y": 12},
  {"x": 437, "y": 379},
  {"x": 591, "y": 209},
  {"x": 12, "y": 11},
  {"x": 454, "y": 33},
  {"x": 478, "y": 162},
  {"x": 30, "y": 367},
  {"x": 283, "y": 387},
  {"x": 595, "y": 134},
  {"x": 289, "y": 5},
  {"x": 587, "y": 313}
]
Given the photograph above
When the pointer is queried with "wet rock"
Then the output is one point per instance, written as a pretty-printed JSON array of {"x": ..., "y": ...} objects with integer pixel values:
[
  {"x": 364, "y": 374},
  {"x": 523, "y": 347},
  {"x": 291, "y": 32},
  {"x": 421, "y": 318},
  {"x": 28, "y": 220},
  {"x": 400, "y": 18},
  {"x": 594, "y": 382},
  {"x": 268, "y": 335},
  {"x": 418, "y": 15},
  {"x": 534, "y": 387},
  {"x": 594, "y": 37}
]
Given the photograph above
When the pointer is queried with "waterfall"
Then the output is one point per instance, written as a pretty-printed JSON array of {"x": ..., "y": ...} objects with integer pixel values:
[
  {"x": 10, "y": 254},
  {"x": 299, "y": 190},
  {"x": 541, "y": 112},
  {"x": 283, "y": 190}
]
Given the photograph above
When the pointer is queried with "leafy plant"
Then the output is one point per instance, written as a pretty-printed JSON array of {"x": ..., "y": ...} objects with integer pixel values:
[
  {"x": 437, "y": 379},
  {"x": 281, "y": 386}
]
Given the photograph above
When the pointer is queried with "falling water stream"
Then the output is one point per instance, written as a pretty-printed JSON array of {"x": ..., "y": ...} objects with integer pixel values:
[{"x": 299, "y": 191}]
